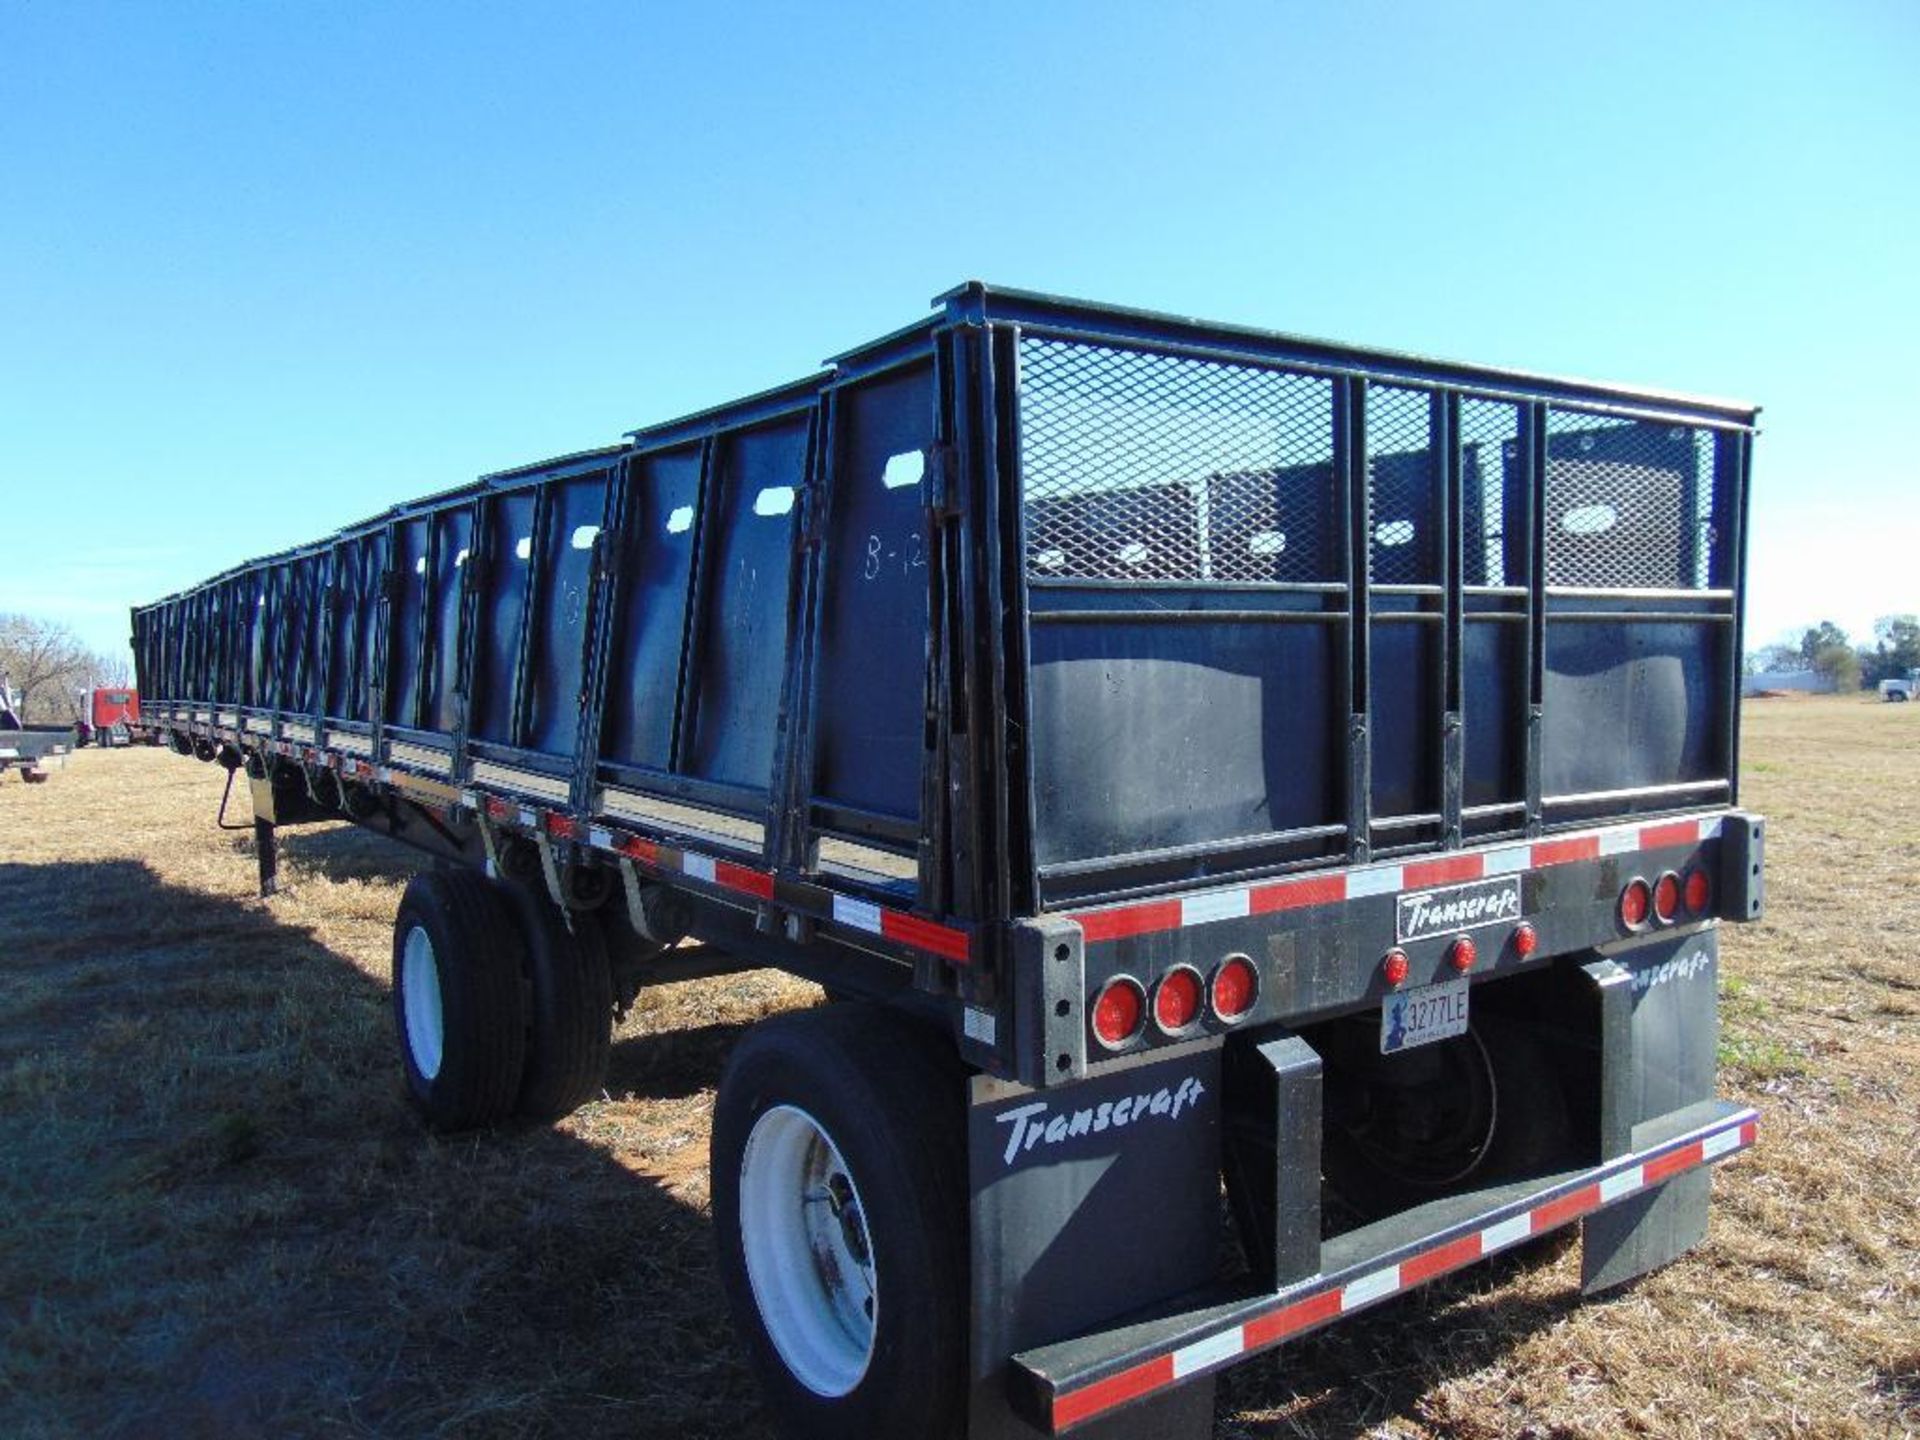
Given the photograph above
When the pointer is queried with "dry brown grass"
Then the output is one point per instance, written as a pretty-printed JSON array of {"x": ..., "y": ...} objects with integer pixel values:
[{"x": 217, "y": 1216}]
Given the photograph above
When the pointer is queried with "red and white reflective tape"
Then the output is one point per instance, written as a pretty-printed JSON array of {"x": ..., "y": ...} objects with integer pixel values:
[
  {"x": 1298, "y": 1313},
  {"x": 896, "y": 925},
  {"x": 863, "y": 915},
  {"x": 1152, "y": 916},
  {"x": 899, "y": 926}
]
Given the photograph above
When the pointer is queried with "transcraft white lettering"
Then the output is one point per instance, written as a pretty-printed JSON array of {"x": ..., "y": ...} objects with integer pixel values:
[
  {"x": 1038, "y": 1124},
  {"x": 1460, "y": 907},
  {"x": 1681, "y": 967}
]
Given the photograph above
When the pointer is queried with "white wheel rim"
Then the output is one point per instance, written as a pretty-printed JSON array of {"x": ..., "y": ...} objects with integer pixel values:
[
  {"x": 420, "y": 997},
  {"x": 803, "y": 1230}
]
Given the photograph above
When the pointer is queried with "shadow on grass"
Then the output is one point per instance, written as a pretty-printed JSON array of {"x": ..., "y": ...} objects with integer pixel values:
[
  {"x": 1899, "y": 1380},
  {"x": 672, "y": 1064},
  {"x": 345, "y": 852},
  {"x": 1348, "y": 1379},
  {"x": 224, "y": 1220}
]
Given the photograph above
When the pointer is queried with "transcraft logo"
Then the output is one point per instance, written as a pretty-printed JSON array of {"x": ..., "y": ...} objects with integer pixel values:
[
  {"x": 1681, "y": 967},
  {"x": 1459, "y": 907},
  {"x": 1033, "y": 1127}
]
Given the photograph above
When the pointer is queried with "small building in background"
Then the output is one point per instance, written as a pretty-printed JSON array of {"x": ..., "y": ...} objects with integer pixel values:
[{"x": 1811, "y": 682}]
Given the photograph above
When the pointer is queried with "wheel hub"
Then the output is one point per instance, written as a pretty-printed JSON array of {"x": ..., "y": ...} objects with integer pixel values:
[
  {"x": 420, "y": 996},
  {"x": 809, "y": 1255}
]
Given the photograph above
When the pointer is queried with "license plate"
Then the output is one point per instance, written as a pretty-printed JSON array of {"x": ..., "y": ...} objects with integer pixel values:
[{"x": 1419, "y": 1017}]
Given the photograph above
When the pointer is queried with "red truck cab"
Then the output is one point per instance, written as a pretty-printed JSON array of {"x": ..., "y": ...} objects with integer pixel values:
[{"x": 115, "y": 716}]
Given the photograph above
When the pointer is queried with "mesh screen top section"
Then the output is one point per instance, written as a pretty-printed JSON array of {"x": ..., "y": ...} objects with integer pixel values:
[
  {"x": 1630, "y": 504},
  {"x": 1403, "y": 488},
  {"x": 1140, "y": 466},
  {"x": 1494, "y": 521}
]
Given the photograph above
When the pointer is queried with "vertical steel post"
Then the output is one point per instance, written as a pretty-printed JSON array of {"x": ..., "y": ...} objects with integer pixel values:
[
  {"x": 1444, "y": 430},
  {"x": 1350, "y": 482},
  {"x": 1533, "y": 488}
]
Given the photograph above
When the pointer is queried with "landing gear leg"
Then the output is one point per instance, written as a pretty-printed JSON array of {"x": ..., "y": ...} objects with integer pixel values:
[{"x": 266, "y": 848}]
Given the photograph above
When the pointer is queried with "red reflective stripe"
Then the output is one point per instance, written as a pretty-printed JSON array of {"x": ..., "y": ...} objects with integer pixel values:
[
  {"x": 1291, "y": 1319},
  {"x": 1099, "y": 925},
  {"x": 1685, "y": 1158},
  {"x": 560, "y": 827},
  {"x": 1439, "y": 1260},
  {"x": 1295, "y": 894},
  {"x": 1420, "y": 874},
  {"x": 497, "y": 808},
  {"x": 739, "y": 877},
  {"x": 1656, "y": 837},
  {"x": 640, "y": 849},
  {"x": 1567, "y": 1207},
  {"x": 1303, "y": 1314},
  {"x": 1103, "y": 1395},
  {"x": 955, "y": 945},
  {"x": 1158, "y": 915},
  {"x": 1559, "y": 852}
]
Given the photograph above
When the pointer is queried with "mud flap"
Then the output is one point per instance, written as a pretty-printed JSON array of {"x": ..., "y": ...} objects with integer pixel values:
[
  {"x": 1089, "y": 1202},
  {"x": 1660, "y": 1032}
]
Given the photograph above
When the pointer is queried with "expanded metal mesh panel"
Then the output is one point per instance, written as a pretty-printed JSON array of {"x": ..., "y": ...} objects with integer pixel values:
[
  {"x": 1629, "y": 504},
  {"x": 1139, "y": 466},
  {"x": 1403, "y": 487},
  {"x": 1494, "y": 518}
]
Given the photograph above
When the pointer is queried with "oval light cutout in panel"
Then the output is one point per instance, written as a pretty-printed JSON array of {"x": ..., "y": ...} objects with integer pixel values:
[
  {"x": 904, "y": 469},
  {"x": 1589, "y": 519},
  {"x": 1391, "y": 533}
]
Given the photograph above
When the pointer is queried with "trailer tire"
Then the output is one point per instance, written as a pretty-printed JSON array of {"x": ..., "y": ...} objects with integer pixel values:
[
  {"x": 569, "y": 1010},
  {"x": 457, "y": 1001},
  {"x": 866, "y": 1107}
]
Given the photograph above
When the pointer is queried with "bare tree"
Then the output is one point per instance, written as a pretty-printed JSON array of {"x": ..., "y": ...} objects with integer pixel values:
[{"x": 48, "y": 666}]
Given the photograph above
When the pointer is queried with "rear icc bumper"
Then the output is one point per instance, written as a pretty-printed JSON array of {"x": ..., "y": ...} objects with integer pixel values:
[{"x": 1064, "y": 1386}]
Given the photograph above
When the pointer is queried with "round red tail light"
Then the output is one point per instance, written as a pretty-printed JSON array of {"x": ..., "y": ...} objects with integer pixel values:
[
  {"x": 1394, "y": 969},
  {"x": 1236, "y": 985},
  {"x": 1461, "y": 954},
  {"x": 1120, "y": 1011},
  {"x": 1526, "y": 939},
  {"x": 1666, "y": 898},
  {"x": 1636, "y": 903},
  {"x": 1699, "y": 892},
  {"x": 1176, "y": 999}
]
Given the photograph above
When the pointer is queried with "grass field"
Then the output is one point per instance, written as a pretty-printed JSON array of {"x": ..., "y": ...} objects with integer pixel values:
[{"x": 218, "y": 1217}]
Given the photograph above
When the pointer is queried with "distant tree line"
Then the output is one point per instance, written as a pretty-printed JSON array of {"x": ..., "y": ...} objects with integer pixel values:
[
  {"x": 48, "y": 667},
  {"x": 1826, "y": 649}
]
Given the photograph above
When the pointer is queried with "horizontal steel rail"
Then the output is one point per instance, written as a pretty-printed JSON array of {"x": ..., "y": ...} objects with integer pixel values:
[{"x": 1068, "y": 1385}]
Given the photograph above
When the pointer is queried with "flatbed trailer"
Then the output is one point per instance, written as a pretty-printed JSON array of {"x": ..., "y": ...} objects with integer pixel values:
[
  {"x": 30, "y": 748},
  {"x": 1190, "y": 755}
]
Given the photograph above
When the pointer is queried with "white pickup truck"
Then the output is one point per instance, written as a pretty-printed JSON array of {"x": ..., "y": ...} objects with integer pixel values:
[{"x": 1902, "y": 690}]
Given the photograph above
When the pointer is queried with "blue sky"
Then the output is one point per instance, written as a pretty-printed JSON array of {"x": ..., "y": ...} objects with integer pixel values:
[{"x": 267, "y": 268}]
